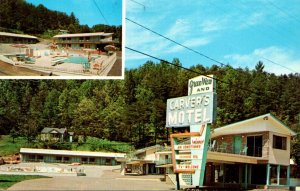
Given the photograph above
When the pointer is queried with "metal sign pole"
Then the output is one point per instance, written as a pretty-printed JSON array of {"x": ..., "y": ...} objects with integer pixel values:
[{"x": 177, "y": 174}]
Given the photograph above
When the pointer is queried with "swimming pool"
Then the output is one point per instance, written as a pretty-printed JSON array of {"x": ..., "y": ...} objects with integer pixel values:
[{"x": 76, "y": 59}]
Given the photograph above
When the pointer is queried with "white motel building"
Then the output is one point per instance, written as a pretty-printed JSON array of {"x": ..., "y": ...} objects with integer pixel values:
[{"x": 254, "y": 153}]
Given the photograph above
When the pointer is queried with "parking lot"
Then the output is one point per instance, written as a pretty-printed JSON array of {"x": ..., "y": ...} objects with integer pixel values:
[{"x": 97, "y": 178}]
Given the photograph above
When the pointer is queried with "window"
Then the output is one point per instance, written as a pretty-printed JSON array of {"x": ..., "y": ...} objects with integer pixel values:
[
  {"x": 254, "y": 145},
  {"x": 108, "y": 161},
  {"x": 31, "y": 157},
  {"x": 92, "y": 160},
  {"x": 84, "y": 160},
  {"x": 66, "y": 159},
  {"x": 279, "y": 142}
]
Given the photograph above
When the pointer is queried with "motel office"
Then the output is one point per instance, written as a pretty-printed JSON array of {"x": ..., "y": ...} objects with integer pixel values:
[{"x": 250, "y": 153}]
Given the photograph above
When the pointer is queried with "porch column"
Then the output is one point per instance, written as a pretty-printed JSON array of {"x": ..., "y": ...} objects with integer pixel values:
[
  {"x": 246, "y": 176},
  {"x": 268, "y": 174},
  {"x": 288, "y": 175},
  {"x": 177, "y": 181},
  {"x": 224, "y": 174},
  {"x": 278, "y": 174}
]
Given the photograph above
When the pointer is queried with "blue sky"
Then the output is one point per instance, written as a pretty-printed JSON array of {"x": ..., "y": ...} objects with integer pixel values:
[
  {"x": 239, "y": 33},
  {"x": 86, "y": 10}
]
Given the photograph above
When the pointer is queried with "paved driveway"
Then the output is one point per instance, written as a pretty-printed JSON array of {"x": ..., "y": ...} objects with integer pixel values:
[{"x": 101, "y": 180}]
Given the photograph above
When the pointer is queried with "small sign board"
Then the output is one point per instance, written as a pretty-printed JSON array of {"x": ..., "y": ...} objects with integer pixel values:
[
  {"x": 201, "y": 84},
  {"x": 193, "y": 160}
]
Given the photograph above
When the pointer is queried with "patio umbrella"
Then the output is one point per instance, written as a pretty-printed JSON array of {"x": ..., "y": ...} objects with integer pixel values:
[
  {"x": 19, "y": 46},
  {"x": 53, "y": 46},
  {"x": 110, "y": 48}
]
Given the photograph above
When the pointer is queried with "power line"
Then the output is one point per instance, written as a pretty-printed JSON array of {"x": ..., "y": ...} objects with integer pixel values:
[
  {"x": 190, "y": 70},
  {"x": 139, "y": 3},
  {"x": 201, "y": 54},
  {"x": 279, "y": 64},
  {"x": 100, "y": 11},
  {"x": 283, "y": 11}
]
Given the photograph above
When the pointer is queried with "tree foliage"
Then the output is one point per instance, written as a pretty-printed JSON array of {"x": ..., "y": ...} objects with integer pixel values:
[
  {"x": 18, "y": 16},
  {"x": 133, "y": 110}
]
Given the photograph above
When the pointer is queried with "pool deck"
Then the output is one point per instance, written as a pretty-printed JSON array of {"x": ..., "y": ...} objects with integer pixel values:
[{"x": 46, "y": 65}]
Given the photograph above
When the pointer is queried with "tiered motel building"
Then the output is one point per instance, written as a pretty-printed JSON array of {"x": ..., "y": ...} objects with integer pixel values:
[{"x": 254, "y": 153}]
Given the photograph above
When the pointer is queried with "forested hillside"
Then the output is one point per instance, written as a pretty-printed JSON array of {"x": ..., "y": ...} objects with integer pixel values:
[
  {"x": 18, "y": 16},
  {"x": 133, "y": 110}
]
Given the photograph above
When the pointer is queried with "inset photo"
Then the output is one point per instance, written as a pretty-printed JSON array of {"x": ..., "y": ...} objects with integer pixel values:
[{"x": 48, "y": 39}]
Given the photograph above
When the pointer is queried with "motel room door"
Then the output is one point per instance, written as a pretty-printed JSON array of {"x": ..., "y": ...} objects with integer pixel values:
[{"x": 237, "y": 144}]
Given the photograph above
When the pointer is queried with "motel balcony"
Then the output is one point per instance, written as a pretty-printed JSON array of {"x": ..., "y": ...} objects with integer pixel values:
[
  {"x": 85, "y": 41},
  {"x": 163, "y": 161}
]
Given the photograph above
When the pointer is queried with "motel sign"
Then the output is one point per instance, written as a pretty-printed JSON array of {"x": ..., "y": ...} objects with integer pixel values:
[
  {"x": 191, "y": 110},
  {"x": 195, "y": 111}
]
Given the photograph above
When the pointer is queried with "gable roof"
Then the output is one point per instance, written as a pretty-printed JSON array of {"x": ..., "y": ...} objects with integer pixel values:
[
  {"x": 267, "y": 122},
  {"x": 54, "y": 130}
]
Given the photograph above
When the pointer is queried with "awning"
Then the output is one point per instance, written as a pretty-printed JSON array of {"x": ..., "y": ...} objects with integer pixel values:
[
  {"x": 165, "y": 166},
  {"x": 140, "y": 162}
]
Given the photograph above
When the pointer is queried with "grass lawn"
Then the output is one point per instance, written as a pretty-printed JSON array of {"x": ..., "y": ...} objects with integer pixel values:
[
  {"x": 7, "y": 147},
  {"x": 7, "y": 181}
]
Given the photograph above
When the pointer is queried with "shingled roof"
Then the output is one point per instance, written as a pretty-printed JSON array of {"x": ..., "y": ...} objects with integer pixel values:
[{"x": 54, "y": 130}]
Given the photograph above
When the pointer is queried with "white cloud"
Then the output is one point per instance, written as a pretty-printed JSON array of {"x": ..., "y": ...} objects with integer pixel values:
[
  {"x": 211, "y": 25},
  {"x": 252, "y": 20},
  {"x": 180, "y": 28},
  {"x": 280, "y": 56},
  {"x": 145, "y": 41},
  {"x": 191, "y": 43}
]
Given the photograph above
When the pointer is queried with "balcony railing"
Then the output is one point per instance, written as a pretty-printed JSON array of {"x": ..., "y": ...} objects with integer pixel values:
[
  {"x": 85, "y": 41},
  {"x": 164, "y": 161},
  {"x": 228, "y": 148}
]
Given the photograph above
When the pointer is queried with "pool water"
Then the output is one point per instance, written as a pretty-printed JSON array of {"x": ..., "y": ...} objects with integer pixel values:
[{"x": 77, "y": 59}]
